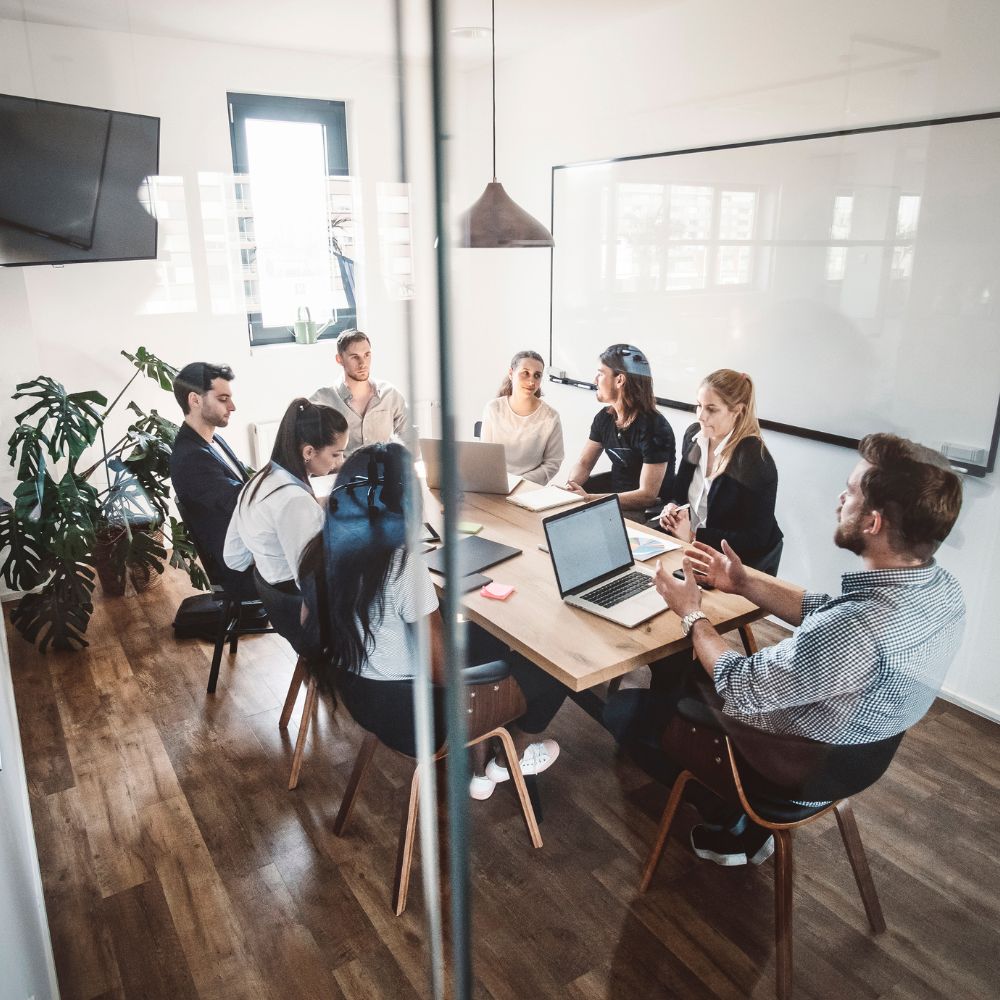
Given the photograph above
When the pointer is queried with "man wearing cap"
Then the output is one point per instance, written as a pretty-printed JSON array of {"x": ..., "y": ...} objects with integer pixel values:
[{"x": 631, "y": 431}]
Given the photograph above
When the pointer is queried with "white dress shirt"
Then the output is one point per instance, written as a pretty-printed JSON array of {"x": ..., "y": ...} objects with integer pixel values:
[
  {"x": 533, "y": 445},
  {"x": 701, "y": 483},
  {"x": 273, "y": 529}
]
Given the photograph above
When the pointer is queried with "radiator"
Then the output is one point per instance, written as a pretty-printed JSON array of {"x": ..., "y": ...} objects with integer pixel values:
[{"x": 262, "y": 437}]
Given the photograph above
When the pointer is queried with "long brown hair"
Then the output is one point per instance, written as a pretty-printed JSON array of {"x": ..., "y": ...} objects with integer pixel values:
[
  {"x": 637, "y": 390},
  {"x": 736, "y": 390},
  {"x": 507, "y": 385},
  {"x": 303, "y": 423}
]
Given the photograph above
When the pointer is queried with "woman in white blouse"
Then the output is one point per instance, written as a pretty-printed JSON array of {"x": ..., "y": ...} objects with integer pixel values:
[
  {"x": 528, "y": 428},
  {"x": 277, "y": 513}
]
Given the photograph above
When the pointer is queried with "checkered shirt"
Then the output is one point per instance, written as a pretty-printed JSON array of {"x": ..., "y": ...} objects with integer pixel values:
[{"x": 861, "y": 667}]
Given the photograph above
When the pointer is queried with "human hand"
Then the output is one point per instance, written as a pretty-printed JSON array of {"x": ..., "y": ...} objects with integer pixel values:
[
  {"x": 682, "y": 596},
  {"x": 676, "y": 521},
  {"x": 578, "y": 490},
  {"x": 723, "y": 570}
]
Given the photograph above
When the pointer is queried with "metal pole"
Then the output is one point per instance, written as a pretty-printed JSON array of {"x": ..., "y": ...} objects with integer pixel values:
[{"x": 458, "y": 766}]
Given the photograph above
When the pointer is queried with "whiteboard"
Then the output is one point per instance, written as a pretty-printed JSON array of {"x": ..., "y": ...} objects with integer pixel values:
[{"x": 853, "y": 274}]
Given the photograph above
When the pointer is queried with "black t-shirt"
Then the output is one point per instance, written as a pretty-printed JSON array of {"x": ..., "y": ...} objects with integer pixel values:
[{"x": 648, "y": 440}]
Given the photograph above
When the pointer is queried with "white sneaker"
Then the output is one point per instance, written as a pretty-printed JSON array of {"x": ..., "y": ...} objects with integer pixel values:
[
  {"x": 481, "y": 787},
  {"x": 537, "y": 757}
]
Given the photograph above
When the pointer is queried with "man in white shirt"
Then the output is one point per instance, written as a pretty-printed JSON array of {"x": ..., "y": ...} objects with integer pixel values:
[{"x": 375, "y": 411}]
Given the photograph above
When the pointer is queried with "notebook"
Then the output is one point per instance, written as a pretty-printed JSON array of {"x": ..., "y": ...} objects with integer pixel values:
[
  {"x": 544, "y": 499},
  {"x": 646, "y": 546},
  {"x": 482, "y": 466},
  {"x": 475, "y": 554},
  {"x": 594, "y": 567}
]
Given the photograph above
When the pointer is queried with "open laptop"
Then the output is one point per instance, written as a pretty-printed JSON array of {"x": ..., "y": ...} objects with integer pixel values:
[
  {"x": 594, "y": 567},
  {"x": 482, "y": 466}
]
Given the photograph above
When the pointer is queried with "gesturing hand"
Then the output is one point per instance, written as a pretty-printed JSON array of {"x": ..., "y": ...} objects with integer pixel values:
[
  {"x": 682, "y": 596},
  {"x": 723, "y": 570},
  {"x": 676, "y": 521}
]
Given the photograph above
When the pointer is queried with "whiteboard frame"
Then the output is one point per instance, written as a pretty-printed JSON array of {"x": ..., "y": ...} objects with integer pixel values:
[{"x": 971, "y": 469}]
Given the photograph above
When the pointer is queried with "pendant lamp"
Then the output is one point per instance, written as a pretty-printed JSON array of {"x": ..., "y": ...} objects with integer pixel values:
[{"x": 496, "y": 220}]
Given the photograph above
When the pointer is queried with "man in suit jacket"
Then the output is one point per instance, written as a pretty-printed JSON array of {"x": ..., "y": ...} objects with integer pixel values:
[{"x": 205, "y": 471}]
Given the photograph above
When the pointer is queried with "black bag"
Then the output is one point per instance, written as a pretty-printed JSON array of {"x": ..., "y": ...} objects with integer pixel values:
[{"x": 198, "y": 617}]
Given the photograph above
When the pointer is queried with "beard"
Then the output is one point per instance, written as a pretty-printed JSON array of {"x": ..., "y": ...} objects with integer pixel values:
[{"x": 850, "y": 537}]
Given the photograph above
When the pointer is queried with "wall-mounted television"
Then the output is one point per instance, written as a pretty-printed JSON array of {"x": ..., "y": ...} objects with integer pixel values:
[{"x": 71, "y": 178}]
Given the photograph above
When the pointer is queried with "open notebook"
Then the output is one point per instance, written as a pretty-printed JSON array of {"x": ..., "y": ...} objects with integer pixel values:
[{"x": 544, "y": 499}]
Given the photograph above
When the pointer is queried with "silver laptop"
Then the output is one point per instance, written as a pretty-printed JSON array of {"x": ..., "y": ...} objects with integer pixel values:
[
  {"x": 594, "y": 566},
  {"x": 482, "y": 466}
]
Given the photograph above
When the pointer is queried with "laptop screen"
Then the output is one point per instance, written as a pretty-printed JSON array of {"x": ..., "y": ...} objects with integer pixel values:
[{"x": 587, "y": 542}]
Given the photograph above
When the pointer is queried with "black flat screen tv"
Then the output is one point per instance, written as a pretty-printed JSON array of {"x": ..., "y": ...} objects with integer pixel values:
[{"x": 70, "y": 182}]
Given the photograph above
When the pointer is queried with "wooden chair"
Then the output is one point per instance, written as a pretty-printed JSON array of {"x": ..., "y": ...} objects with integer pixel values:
[
  {"x": 309, "y": 710},
  {"x": 733, "y": 763},
  {"x": 494, "y": 700},
  {"x": 231, "y": 607}
]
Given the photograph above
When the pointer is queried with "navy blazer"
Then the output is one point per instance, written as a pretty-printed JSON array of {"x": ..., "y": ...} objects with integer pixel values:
[
  {"x": 740, "y": 500},
  {"x": 208, "y": 489}
]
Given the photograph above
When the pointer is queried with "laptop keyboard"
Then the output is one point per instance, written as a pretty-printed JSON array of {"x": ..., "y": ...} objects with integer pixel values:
[{"x": 619, "y": 590}]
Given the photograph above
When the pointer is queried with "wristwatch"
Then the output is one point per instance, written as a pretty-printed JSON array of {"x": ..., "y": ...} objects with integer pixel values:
[{"x": 687, "y": 622}]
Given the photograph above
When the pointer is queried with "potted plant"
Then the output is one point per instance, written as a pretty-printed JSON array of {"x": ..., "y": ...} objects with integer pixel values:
[{"x": 109, "y": 517}]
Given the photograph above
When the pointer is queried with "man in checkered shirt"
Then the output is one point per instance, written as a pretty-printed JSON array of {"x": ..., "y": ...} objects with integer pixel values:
[{"x": 864, "y": 665}]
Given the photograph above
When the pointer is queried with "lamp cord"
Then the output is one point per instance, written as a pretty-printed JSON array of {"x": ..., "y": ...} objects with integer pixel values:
[{"x": 493, "y": 43}]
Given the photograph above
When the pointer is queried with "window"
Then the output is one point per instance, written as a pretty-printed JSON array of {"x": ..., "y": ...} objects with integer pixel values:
[{"x": 293, "y": 205}]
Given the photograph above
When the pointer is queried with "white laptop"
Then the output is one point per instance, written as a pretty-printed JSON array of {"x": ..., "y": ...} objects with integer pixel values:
[
  {"x": 594, "y": 567},
  {"x": 482, "y": 466}
]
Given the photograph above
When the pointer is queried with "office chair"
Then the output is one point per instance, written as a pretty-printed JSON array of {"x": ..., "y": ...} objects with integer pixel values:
[
  {"x": 232, "y": 606},
  {"x": 494, "y": 700},
  {"x": 766, "y": 775}
]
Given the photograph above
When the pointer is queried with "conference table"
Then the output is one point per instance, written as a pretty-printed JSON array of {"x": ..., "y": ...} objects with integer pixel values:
[{"x": 576, "y": 647}]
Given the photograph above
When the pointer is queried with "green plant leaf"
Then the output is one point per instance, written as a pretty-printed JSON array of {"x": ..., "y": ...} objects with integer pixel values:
[
  {"x": 74, "y": 417},
  {"x": 153, "y": 367},
  {"x": 184, "y": 555},
  {"x": 59, "y": 613},
  {"x": 32, "y": 443},
  {"x": 73, "y": 518},
  {"x": 26, "y": 565},
  {"x": 126, "y": 502}
]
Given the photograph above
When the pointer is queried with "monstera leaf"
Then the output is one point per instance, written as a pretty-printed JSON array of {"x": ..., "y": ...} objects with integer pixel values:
[
  {"x": 59, "y": 613},
  {"x": 26, "y": 565},
  {"x": 74, "y": 416},
  {"x": 72, "y": 519},
  {"x": 153, "y": 367},
  {"x": 184, "y": 555}
]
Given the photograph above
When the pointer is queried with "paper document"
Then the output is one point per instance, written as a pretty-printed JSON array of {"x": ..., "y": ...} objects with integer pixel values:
[
  {"x": 543, "y": 499},
  {"x": 646, "y": 546}
]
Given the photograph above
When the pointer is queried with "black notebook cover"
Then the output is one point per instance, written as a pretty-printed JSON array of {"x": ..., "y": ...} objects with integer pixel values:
[{"x": 474, "y": 555}]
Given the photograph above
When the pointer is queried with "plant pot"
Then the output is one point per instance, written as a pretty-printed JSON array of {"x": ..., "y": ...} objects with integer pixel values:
[{"x": 113, "y": 575}]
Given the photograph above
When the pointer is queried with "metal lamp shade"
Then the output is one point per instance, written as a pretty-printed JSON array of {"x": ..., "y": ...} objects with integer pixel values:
[{"x": 497, "y": 221}]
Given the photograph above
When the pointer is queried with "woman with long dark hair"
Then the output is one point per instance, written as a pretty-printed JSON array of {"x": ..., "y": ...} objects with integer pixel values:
[
  {"x": 277, "y": 513},
  {"x": 520, "y": 420},
  {"x": 365, "y": 592},
  {"x": 630, "y": 430}
]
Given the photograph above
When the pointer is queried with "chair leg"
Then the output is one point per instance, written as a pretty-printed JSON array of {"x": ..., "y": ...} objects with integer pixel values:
[
  {"x": 298, "y": 676},
  {"x": 859, "y": 863},
  {"x": 783, "y": 913},
  {"x": 220, "y": 642},
  {"x": 404, "y": 857},
  {"x": 522, "y": 789},
  {"x": 300, "y": 742},
  {"x": 661, "y": 834},
  {"x": 749, "y": 640},
  {"x": 365, "y": 754}
]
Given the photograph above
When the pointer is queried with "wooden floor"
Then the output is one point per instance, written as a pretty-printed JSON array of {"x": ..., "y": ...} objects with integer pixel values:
[{"x": 176, "y": 864}]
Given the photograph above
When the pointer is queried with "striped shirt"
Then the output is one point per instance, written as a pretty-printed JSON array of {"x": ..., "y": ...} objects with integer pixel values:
[{"x": 861, "y": 667}]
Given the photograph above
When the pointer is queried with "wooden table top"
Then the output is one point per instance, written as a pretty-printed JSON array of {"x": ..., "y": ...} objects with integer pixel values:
[{"x": 580, "y": 649}]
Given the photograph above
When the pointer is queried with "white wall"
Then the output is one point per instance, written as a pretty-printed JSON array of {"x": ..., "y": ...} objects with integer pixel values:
[
  {"x": 71, "y": 322},
  {"x": 26, "y": 967},
  {"x": 695, "y": 73}
]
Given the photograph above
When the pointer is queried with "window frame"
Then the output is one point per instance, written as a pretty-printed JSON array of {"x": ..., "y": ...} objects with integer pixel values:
[{"x": 332, "y": 115}]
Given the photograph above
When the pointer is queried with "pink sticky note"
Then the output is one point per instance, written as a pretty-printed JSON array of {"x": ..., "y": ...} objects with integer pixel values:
[{"x": 497, "y": 591}]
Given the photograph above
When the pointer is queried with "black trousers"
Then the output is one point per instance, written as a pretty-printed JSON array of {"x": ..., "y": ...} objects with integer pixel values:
[
  {"x": 284, "y": 607},
  {"x": 385, "y": 708}
]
